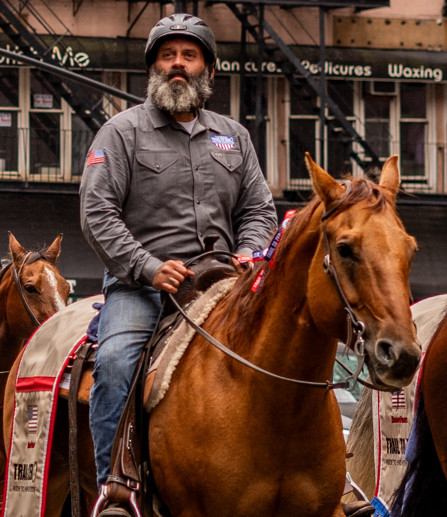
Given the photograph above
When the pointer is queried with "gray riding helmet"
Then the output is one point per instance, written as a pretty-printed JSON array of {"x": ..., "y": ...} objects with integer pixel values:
[{"x": 181, "y": 25}]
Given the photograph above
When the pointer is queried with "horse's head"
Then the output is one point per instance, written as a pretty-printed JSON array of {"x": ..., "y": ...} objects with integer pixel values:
[
  {"x": 40, "y": 288},
  {"x": 366, "y": 249}
]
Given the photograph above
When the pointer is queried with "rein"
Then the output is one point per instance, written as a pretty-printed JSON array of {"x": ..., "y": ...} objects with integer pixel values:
[
  {"x": 326, "y": 385},
  {"x": 359, "y": 379},
  {"x": 16, "y": 276}
]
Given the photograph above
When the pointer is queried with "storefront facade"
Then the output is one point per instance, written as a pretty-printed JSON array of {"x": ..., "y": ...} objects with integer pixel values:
[
  {"x": 391, "y": 89},
  {"x": 394, "y": 99}
]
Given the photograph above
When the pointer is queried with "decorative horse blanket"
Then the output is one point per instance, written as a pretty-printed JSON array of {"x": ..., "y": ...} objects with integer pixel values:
[
  {"x": 45, "y": 357},
  {"x": 43, "y": 370},
  {"x": 393, "y": 413}
]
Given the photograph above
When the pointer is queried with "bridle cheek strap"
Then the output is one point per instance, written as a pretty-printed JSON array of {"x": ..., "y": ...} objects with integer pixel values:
[
  {"x": 16, "y": 276},
  {"x": 355, "y": 327}
]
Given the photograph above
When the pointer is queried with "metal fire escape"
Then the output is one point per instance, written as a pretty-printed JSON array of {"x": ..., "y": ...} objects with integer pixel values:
[
  {"x": 271, "y": 46},
  {"x": 30, "y": 44},
  {"x": 251, "y": 14}
]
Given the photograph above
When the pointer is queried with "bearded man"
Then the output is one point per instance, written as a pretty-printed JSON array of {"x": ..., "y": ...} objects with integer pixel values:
[{"x": 159, "y": 179}]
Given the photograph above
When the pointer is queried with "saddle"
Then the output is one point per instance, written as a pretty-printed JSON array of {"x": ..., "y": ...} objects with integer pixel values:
[{"x": 128, "y": 474}]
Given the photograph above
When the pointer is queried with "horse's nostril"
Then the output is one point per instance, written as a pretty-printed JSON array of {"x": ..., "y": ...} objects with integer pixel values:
[{"x": 385, "y": 353}]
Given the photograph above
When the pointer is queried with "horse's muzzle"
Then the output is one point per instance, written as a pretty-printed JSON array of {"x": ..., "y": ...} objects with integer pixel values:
[{"x": 393, "y": 366}]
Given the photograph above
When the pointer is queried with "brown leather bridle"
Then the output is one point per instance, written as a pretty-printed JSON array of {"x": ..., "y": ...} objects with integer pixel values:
[{"x": 16, "y": 275}]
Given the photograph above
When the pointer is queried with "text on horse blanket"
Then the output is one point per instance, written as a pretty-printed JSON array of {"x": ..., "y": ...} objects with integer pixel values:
[{"x": 44, "y": 360}]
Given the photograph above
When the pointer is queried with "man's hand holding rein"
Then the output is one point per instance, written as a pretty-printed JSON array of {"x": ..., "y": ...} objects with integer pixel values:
[{"x": 170, "y": 275}]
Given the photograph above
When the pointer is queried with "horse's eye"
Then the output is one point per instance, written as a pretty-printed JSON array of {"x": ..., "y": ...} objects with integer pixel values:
[
  {"x": 29, "y": 288},
  {"x": 345, "y": 251}
]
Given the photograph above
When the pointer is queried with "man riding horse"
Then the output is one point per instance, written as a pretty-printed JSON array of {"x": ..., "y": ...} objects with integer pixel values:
[{"x": 161, "y": 181}]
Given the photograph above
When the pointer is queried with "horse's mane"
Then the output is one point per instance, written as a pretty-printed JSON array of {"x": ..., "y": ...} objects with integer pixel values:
[
  {"x": 247, "y": 307},
  {"x": 242, "y": 307}
]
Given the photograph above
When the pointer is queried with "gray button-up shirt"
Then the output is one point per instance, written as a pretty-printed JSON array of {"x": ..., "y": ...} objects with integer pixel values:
[{"x": 152, "y": 192}]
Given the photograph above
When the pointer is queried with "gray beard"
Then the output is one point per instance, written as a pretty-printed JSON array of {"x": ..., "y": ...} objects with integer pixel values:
[{"x": 179, "y": 96}]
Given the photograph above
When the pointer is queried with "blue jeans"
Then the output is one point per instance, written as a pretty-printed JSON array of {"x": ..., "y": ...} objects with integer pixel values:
[{"x": 126, "y": 323}]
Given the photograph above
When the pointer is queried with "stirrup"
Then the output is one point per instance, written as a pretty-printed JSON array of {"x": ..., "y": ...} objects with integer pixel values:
[
  {"x": 358, "y": 509},
  {"x": 100, "y": 508},
  {"x": 114, "y": 512}
]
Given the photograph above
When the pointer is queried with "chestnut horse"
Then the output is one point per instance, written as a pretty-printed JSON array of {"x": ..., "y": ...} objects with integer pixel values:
[
  {"x": 429, "y": 316},
  {"x": 424, "y": 484},
  {"x": 424, "y": 487},
  {"x": 230, "y": 440},
  {"x": 227, "y": 440},
  {"x": 31, "y": 290}
]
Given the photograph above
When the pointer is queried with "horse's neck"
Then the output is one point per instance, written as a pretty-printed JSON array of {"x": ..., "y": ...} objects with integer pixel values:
[
  {"x": 296, "y": 345},
  {"x": 283, "y": 337}
]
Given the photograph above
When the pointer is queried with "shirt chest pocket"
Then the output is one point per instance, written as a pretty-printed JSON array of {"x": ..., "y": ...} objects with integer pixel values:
[
  {"x": 155, "y": 175},
  {"x": 227, "y": 174}
]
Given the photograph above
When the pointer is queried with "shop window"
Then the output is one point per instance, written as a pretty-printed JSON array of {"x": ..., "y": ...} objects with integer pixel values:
[
  {"x": 413, "y": 128},
  {"x": 45, "y": 145},
  {"x": 8, "y": 141},
  {"x": 339, "y": 141},
  {"x": 413, "y": 102},
  {"x": 412, "y": 148},
  {"x": 9, "y": 101},
  {"x": 43, "y": 93},
  {"x": 9, "y": 87},
  {"x": 257, "y": 133},
  {"x": 303, "y": 99},
  {"x": 342, "y": 93},
  {"x": 220, "y": 100},
  {"x": 44, "y": 136},
  {"x": 302, "y": 139},
  {"x": 303, "y": 126},
  {"x": 377, "y": 124}
]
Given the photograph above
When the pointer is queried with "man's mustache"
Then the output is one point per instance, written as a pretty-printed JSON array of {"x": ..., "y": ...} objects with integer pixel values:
[{"x": 178, "y": 71}]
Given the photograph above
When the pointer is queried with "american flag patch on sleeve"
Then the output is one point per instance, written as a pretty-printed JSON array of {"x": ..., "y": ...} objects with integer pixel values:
[{"x": 96, "y": 156}]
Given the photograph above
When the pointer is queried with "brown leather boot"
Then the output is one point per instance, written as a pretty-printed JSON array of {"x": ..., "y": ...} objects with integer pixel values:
[{"x": 358, "y": 509}]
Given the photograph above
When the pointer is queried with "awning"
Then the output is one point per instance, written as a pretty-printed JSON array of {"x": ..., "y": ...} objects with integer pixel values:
[{"x": 85, "y": 53}]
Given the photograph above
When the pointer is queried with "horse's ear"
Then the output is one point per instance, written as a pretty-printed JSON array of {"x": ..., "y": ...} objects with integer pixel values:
[
  {"x": 16, "y": 251},
  {"x": 53, "y": 251},
  {"x": 325, "y": 186},
  {"x": 390, "y": 177}
]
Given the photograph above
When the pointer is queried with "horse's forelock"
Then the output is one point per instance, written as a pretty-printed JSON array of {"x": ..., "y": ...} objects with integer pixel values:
[
  {"x": 38, "y": 255},
  {"x": 361, "y": 189},
  {"x": 365, "y": 190}
]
